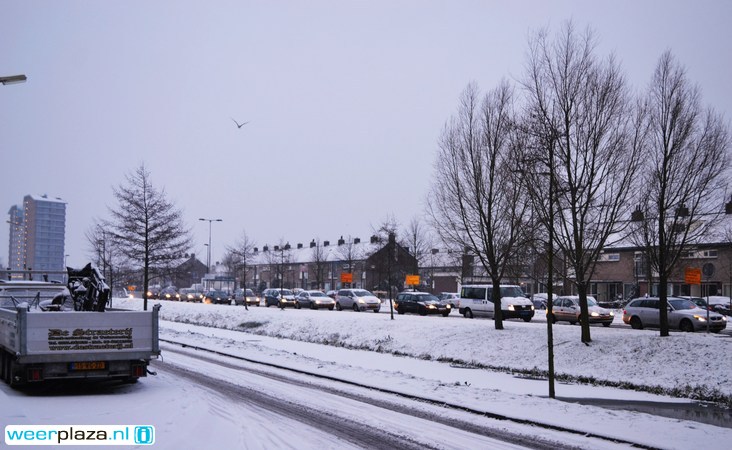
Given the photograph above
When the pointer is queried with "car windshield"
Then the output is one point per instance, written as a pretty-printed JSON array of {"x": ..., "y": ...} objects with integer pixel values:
[
  {"x": 427, "y": 298},
  {"x": 362, "y": 293},
  {"x": 511, "y": 291},
  {"x": 250, "y": 292},
  {"x": 284, "y": 291},
  {"x": 317, "y": 294},
  {"x": 681, "y": 303},
  {"x": 591, "y": 301}
]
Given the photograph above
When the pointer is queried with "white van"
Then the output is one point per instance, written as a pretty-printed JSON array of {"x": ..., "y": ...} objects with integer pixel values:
[{"x": 477, "y": 300}]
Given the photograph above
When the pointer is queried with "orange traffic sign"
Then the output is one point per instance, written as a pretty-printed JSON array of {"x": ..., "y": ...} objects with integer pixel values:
[
  {"x": 412, "y": 280},
  {"x": 692, "y": 275},
  {"x": 346, "y": 277}
]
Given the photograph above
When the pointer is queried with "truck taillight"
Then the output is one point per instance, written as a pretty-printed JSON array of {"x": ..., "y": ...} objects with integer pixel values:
[
  {"x": 139, "y": 370},
  {"x": 35, "y": 374}
]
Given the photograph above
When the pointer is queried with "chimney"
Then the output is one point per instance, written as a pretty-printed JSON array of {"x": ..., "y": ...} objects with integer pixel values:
[
  {"x": 434, "y": 251},
  {"x": 637, "y": 215},
  {"x": 356, "y": 240},
  {"x": 277, "y": 248},
  {"x": 374, "y": 239},
  {"x": 256, "y": 250},
  {"x": 287, "y": 246},
  {"x": 728, "y": 207},
  {"x": 682, "y": 211},
  {"x": 341, "y": 241},
  {"x": 299, "y": 245},
  {"x": 265, "y": 248},
  {"x": 312, "y": 243},
  {"x": 326, "y": 243},
  {"x": 392, "y": 237}
]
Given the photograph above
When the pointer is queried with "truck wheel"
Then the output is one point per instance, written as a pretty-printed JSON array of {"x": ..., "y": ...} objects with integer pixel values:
[{"x": 468, "y": 313}]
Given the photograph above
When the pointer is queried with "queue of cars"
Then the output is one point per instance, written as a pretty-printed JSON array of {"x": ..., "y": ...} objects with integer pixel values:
[{"x": 684, "y": 313}]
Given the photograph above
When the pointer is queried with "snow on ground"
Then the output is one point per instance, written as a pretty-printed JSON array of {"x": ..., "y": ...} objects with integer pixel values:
[{"x": 692, "y": 365}]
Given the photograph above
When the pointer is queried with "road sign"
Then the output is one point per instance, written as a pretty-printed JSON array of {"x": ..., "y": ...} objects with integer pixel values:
[
  {"x": 708, "y": 270},
  {"x": 692, "y": 275},
  {"x": 346, "y": 277},
  {"x": 412, "y": 280}
]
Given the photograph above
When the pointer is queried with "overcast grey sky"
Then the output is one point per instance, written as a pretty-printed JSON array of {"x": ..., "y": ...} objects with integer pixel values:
[{"x": 345, "y": 100}]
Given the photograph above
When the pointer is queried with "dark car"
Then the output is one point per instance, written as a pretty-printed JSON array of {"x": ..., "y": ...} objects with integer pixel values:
[
  {"x": 422, "y": 303},
  {"x": 217, "y": 297},
  {"x": 153, "y": 293},
  {"x": 279, "y": 297},
  {"x": 169, "y": 293},
  {"x": 191, "y": 295},
  {"x": 314, "y": 300}
]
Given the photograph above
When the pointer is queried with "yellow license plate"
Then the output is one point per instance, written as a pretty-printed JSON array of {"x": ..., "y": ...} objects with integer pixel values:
[{"x": 89, "y": 365}]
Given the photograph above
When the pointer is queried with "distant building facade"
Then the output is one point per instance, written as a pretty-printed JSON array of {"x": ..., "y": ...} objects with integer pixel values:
[{"x": 37, "y": 235}]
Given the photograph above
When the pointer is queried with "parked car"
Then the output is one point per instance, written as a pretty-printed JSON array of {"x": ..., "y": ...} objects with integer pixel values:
[
  {"x": 698, "y": 301},
  {"x": 720, "y": 304},
  {"x": 169, "y": 293},
  {"x": 449, "y": 298},
  {"x": 683, "y": 314},
  {"x": 332, "y": 294},
  {"x": 217, "y": 297},
  {"x": 541, "y": 300},
  {"x": 357, "y": 299},
  {"x": 314, "y": 300},
  {"x": 247, "y": 296},
  {"x": 279, "y": 297},
  {"x": 567, "y": 308},
  {"x": 191, "y": 295},
  {"x": 422, "y": 303},
  {"x": 477, "y": 300}
]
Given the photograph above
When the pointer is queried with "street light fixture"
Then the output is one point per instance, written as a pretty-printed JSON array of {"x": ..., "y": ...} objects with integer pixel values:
[
  {"x": 208, "y": 257},
  {"x": 13, "y": 79}
]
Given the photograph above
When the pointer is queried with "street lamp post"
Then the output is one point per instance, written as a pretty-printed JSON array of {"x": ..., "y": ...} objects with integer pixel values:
[
  {"x": 13, "y": 79},
  {"x": 208, "y": 257}
]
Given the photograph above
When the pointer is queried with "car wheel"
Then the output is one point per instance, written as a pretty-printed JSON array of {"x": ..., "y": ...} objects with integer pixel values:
[
  {"x": 527, "y": 319},
  {"x": 572, "y": 322},
  {"x": 338, "y": 307},
  {"x": 422, "y": 311},
  {"x": 554, "y": 317},
  {"x": 297, "y": 305},
  {"x": 445, "y": 314},
  {"x": 686, "y": 326},
  {"x": 355, "y": 307},
  {"x": 330, "y": 308},
  {"x": 606, "y": 324},
  {"x": 312, "y": 305},
  {"x": 400, "y": 310},
  {"x": 468, "y": 313},
  {"x": 635, "y": 323}
]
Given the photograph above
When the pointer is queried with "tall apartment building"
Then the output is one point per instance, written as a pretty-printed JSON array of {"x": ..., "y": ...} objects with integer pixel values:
[
  {"x": 37, "y": 234},
  {"x": 16, "y": 249}
]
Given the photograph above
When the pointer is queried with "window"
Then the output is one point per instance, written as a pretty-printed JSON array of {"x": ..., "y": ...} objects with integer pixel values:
[{"x": 609, "y": 257}]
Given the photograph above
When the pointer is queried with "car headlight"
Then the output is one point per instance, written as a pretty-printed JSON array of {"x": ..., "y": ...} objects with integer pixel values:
[
  {"x": 612, "y": 313},
  {"x": 595, "y": 314},
  {"x": 724, "y": 318},
  {"x": 700, "y": 318},
  {"x": 360, "y": 300},
  {"x": 511, "y": 308},
  {"x": 431, "y": 306},
  {"x": 448, "y": 306}
]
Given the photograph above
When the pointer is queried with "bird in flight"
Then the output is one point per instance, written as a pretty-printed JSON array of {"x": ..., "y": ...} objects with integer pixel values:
[{"x": 239, "y": 125}]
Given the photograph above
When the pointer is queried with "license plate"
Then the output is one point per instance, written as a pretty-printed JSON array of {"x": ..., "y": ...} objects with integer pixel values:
[{"x": 88, "y": 365}]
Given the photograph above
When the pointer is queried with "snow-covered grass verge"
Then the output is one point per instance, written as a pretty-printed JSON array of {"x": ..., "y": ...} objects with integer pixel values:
[{"x": 687, "y": 365}]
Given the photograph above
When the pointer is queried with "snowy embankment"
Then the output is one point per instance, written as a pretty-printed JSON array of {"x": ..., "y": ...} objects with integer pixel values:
[{"x": 689, "y": 365}]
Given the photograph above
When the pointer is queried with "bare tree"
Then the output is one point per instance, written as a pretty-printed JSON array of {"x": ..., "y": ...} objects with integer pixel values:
[
  {"x": 146, "y": 228},
  {"x": 103, "y": 251},
  {"x": 579, "y": 105},
  {"x": 417, "y": 238},
  {"x": 478, "y": 202},
  {"x": 240, "y": 255},
  {"x": 349, "y": 253},
  {"x": 686, "y": 156},
  {"x": 319, "y": 260}
]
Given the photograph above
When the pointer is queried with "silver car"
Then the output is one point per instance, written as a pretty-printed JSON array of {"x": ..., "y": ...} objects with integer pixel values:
[
  {"x": 683, "y": 314},
  {"x": 357, "y": 299},
  {"x": 568, "y": 308},
  {"x": 314, "y": 300}
]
